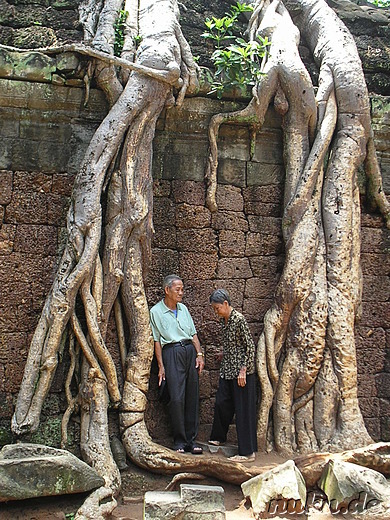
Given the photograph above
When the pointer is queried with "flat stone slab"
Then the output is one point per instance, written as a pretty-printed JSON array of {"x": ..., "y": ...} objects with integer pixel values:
[
  {"x": 33, "y": 470},
  {"x": 226, "y": 449}
]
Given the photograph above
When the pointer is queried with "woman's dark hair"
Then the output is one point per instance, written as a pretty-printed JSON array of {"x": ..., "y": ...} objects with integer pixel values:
[{"x": 219, "y": 296}]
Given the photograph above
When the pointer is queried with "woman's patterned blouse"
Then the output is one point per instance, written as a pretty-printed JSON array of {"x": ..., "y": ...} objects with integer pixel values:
[{"x": 238, "y": 347}]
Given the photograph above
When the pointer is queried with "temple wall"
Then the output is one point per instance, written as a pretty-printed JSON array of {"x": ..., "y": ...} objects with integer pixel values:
[{"x": 45, "y": 130}]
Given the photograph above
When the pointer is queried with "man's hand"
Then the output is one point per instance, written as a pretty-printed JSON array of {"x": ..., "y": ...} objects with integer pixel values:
[
  {"x": 161, "y": 375},
  {"x": 199, "y": 364},
  {"x": 241, "y": 379}
]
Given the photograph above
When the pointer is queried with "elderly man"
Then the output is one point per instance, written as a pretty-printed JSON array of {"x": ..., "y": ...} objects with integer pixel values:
[{"x": 180, "y": 362}]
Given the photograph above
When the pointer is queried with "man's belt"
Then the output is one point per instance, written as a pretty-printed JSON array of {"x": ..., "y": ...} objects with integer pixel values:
[{"x": 181, "y": 343}]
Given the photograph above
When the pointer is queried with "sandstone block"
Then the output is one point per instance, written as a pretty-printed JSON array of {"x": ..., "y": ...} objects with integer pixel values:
[
  {"x": 383, "y": 382},
  {"x": 232, "y": 172},
  {"x": 369, "y": 338},
  {"x": 57, "y": 209},
  {"x": 191, "y": 503},
  {"x": 367, "y": 385},
  {"x": 164, "y": 262},
  {"x": 33, "y": 470},
  {"x": 33, "y": 181},
  {"x": 371, "y": 360},
  {"x": 269, "y": 146},
  {"x": 372, "y": 264},
  {"x": 234, "y": 268},
  {"x": 205, "y": 385},
  {"x": 229, "y": 198},
  {"x": 231, "y": 243},
  {"x": 263, "y": 174},
  {"x": 189, "y": 167},
  {"x": 369, "y": 407},
  {"x": 206, "y": 411}
]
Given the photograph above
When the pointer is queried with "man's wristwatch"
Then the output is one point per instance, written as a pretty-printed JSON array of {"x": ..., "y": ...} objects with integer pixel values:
[{"x": 200, "y": 354}]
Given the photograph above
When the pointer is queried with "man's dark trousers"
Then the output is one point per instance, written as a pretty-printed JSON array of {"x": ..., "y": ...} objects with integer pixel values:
[{"x": 182, "y": 381}]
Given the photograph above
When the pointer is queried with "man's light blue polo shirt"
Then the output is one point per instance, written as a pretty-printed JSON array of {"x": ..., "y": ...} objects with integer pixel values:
[{"x": 167, "y": 328}]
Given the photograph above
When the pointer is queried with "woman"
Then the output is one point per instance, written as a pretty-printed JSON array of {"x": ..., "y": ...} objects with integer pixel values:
[{"x": 237, "y": 383}]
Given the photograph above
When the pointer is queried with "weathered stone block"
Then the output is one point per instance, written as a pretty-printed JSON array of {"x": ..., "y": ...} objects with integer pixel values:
[
  {"x": 164, "y": 262},
  {"x": 367, "y": 385},
  {"x": 192, "y": 503},
  {"x": 199, "y": 266},
  {"x": 164, "y": 237},
  {"x": 163, "y": 211},
  {"x": 376, "y": 288},
  {"x": 27, "y": 208},
  {"x": 234, "y": 268},
  {"x": 161, "y": 188},
  {"x": 372, "y": 264},
  {"x": 262, "y": 288},
  {"x": 231, "y": 243},
  {"x": 264, "y": 245},
  {"x": 368, "y": 338},
  {"x": 369, "y": 407},
  {"x": 232, "y": 172},
  {"x": 32, "y": 470},
  {"x": 205, "y": 385},
  {"x": 383, "y": 385},
  {"x": 255, "y": 308},
  {"x": 36, "y": 239},
  {"x": 33, "y": 181},
  {"x": 262, "y": 174},
  {"x": 376, "y": 314},
  {"x": 375, "y": 240},
  {"x": 266, "y": 225},
  {"x": 189, "y": 191},
  {"x": 189, "y": 216},
  {"x": 229, "y": 198},
  {"x": 266, "y": 266},
  {"x": 232, "y": 220},
  {"x": 235, "y": 288},
  {"x": 197, "y": 240},
  {"x": 6, "y": 178},
  {"x": 269, "y": 194},
  {"x": 7, "y": 238},
  {"x": 189, "y": 167}
]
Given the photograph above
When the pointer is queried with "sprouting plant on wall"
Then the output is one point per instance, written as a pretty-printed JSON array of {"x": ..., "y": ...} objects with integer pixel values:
[
  {"x": 237, "y": 62},
  {"x": 120, "y": 32},
  {"x": 380, "y": 3}
]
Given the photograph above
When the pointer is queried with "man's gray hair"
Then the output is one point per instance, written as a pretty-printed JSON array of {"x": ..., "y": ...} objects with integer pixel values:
[
  {"x": 219, "y": 296},
  {"x": 168, "y": 280}
]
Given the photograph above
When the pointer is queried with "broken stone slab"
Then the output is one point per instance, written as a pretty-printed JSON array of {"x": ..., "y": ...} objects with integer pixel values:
[
  {"x": 280, "y": 490},
  {"x": 192, "y": 502},
  {"x": 34, "y": 470},
  {"x": 351, "y": 488}
]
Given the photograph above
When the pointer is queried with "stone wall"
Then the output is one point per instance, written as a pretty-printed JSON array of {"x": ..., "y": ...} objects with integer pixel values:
[{"x": 45, "y": 130}]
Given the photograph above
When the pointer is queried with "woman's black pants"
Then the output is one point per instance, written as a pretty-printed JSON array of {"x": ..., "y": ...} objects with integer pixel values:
[{"x": 240, "y": 400}]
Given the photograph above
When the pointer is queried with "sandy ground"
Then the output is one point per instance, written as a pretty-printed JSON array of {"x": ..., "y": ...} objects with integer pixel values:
[{"x": 135, "y": 483}]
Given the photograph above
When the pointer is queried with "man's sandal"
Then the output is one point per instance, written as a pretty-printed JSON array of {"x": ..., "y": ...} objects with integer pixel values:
[
  {"x": 243, "y": 458},
  {"x": 195, "y": 449},
  {"x": 180, "y": 449}
]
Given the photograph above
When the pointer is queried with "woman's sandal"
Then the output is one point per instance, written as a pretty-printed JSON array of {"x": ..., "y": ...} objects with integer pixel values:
[{"x": 243, "y": 458}]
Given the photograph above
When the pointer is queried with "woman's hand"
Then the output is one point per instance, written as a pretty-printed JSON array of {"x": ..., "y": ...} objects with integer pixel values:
[{"x": 241, "y": 379}]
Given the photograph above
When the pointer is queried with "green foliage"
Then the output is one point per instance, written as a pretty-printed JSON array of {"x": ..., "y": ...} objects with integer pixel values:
[
  {"x": 237, "y": 62},
  {"x": 119, "y": 27},
  {"x": 70, "y": 516},
  {"x": 380, "y": 3},
  {"x": 137, "y": 40}
]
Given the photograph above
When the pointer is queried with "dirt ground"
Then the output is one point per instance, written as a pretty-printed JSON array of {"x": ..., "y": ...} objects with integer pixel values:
[{"x": 135, "y": 482}]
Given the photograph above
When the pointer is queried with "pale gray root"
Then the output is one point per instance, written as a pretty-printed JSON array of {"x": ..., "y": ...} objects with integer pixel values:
[
  {"x": 183, "y": 476},
  {"x": 89, "y": 11},
  {"x": 104, "y": 37}
]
